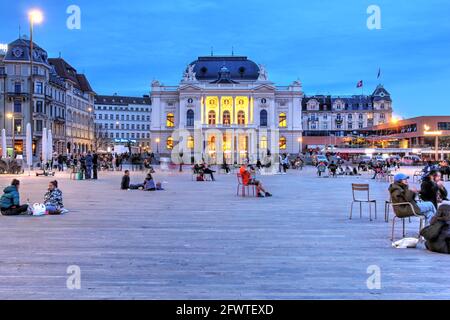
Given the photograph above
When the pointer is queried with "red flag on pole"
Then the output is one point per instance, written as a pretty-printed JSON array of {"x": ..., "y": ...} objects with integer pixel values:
[{"x": 359, "y": 84}]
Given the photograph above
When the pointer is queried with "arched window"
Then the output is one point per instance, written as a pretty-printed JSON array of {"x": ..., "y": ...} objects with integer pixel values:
[
  {"x": 226, "y": 118},
  {"x": 169, "y": 143},
  {"x": 170, "y": 121},
  {"x": 190, "y": 142},
  {"x": 241, "y": 118},
  {"x": 263, "y": 118},
  {"x": 282, "y": 122},
  {"x": 282, "y": 143},
  {"x": 263, "y": 143},
  {"x": 190, "y": 118},
  {"x": 212, "y": 117}
]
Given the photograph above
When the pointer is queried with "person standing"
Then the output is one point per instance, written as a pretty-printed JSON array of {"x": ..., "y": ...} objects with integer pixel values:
[
  {"x": 95, "y": 165},
  {"x": 89, "y": 164},
  {"x": 60, "y": 163}
]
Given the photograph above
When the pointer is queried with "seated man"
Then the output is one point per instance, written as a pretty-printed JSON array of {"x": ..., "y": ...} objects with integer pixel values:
[
  {"x": 125, "y": 184},
  {"x": 207, "y": 170},
  {"x": 53, "y": 199},
  {"x": 400, "y": 192},
  {"x": 248, "y": 180},
  {"x": 10, "y": 200}
]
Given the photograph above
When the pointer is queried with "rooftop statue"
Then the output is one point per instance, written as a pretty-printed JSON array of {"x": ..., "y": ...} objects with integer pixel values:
[
  {"x": 189, "y": 75},
  {"x": 263, "y": 76}
]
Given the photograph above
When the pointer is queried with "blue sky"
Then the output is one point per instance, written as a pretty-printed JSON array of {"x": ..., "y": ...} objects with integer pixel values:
[{"x": 123, "y": 45}]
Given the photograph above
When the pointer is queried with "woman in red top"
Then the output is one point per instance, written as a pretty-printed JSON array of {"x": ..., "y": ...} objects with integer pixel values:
[{"x": 248, "y": 180}]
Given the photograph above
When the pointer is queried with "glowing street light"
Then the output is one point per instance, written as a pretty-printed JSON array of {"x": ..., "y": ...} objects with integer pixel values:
[{"x": 36, "y": 17}]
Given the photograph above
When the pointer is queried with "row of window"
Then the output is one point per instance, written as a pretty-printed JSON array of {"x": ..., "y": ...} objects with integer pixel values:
[
  {"x": 132, "y": 135},
  {"x": 122, "y": 117},
  {"x": 226, "y": 118},
  {"x": 282, "y": 142},
  {"x": 122, "y": 108},
  {"x": 123, "y": 126}
]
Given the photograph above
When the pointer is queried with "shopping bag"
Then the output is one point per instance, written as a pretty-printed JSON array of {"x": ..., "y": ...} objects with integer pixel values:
[{"x": 39, "y": 209}]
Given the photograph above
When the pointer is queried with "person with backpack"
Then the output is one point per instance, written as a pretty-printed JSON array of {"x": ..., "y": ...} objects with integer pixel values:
[{"x": 10, "y": 200}]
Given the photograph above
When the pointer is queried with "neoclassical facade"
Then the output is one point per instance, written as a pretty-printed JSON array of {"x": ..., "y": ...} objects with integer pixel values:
[{"x": 225, "y": 107}]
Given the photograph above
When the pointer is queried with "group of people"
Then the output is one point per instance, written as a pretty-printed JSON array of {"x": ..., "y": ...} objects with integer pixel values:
[
  {"x": 149, "y": 183},
  {"x": 10, "y": 200}
]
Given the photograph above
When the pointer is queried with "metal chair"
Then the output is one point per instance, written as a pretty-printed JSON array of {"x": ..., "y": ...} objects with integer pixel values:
[
  {"x": 362, "y": 189},
  {"x": 241, "y": 186},
  {"x": 414, "y": 214}
]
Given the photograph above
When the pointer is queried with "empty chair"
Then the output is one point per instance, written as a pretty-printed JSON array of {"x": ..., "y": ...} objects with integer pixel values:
[{"x": 361, "y": 194}]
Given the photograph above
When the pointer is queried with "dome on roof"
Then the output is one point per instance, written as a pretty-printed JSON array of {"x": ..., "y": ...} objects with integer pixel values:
[{"x": 239, "y": 67}]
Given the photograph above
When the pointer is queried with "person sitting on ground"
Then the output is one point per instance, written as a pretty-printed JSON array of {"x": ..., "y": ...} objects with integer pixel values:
[
  {"x": 126, "y": 185},
  {"x": 150, "y": 185},
  {"x": 437, "y": 234},
  {"x": 433, "y": 189},
  {"x": 248, "y": 180},
  {"x": 10, "y": 200},
  {"x": 348, "y": 171},
  {"x": 400, "y": 192},
  {"x": 53, "y": 200}
]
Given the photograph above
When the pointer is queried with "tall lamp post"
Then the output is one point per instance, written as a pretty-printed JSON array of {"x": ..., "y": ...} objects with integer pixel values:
[
  {"x": 300, "y": 147},
  {"x": 13, "y": 137},
  {"x": 35, "y": 16},
  {"x": 157, "y": 145}
]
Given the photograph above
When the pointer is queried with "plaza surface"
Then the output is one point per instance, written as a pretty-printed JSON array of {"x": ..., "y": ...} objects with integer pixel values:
[{"x": 198, "y": 240}]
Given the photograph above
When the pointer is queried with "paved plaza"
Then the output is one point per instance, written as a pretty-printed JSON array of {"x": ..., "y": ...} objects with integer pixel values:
[{"x": 198, "y": 240}]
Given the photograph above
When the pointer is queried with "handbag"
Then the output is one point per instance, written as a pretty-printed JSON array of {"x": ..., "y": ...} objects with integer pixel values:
[{"x": 39, "y": 209}]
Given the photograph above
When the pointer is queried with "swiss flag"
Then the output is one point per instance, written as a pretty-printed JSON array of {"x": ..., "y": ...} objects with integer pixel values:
[{"x": 359, "y": 84}]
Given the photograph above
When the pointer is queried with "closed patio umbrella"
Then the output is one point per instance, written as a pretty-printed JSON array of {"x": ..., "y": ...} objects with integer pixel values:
[
  {"x": 29, "y": 148},
  {"x": 4, "y": 154},
  {"x": 44, "y": 147}
]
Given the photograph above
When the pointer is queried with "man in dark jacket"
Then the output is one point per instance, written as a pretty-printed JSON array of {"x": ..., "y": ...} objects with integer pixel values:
[
  {"x": 10, "y": 200},
  {"x": 400, "y": 193},
  {"x": 432, "y": 188},
  {"x": 125, "y": 184}
]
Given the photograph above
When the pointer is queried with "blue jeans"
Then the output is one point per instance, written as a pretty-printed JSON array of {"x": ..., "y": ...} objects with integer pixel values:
[
  {"x": 427, "y": 209},
  {"x": 51, "y": 209}
]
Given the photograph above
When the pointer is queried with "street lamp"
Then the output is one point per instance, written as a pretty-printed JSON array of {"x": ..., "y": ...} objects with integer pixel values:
[
  {"x": 35, "y": 16},
  {"x": 157, "y": 145},
  {"x": 300, "y": 147}
]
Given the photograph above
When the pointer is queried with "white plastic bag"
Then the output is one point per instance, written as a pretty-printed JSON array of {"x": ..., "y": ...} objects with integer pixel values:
[
  {"x": 39, "y": 209},
  {"x": 405, "y": 243}
]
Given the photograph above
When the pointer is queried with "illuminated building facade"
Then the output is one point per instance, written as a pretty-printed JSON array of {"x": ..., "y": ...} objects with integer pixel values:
[{"x": 226, "y": 108}]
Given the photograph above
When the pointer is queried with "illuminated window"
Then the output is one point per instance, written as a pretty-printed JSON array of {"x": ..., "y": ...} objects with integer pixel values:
[
  {"x": 282, "y": 122},
  {"x": 226, "y": 118},
  {"x": 241, "y": 118},
  {"x": 170, "y": 123},
  {"x": 263, "y": 118},
  {"x": 190, "y": 142},
  {"x": 211, "y": 118},
  {"x": 169, "y": 143},
  {"x": 282, "y": 143},
  {"x": 263, "y": 143}
]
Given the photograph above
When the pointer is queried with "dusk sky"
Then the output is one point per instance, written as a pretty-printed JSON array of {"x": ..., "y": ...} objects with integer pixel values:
[{"x": 123, "y": 45}]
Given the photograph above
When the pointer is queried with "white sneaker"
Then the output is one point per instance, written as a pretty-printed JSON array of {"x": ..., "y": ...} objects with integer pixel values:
[{"x": 63, "y": 211}]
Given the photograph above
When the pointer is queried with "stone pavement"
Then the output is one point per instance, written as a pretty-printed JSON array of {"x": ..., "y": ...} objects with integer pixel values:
[{"x": 197, "y": 240}]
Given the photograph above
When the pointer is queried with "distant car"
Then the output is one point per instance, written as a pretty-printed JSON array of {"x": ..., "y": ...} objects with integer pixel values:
[{"x": 411, "y": 160}]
